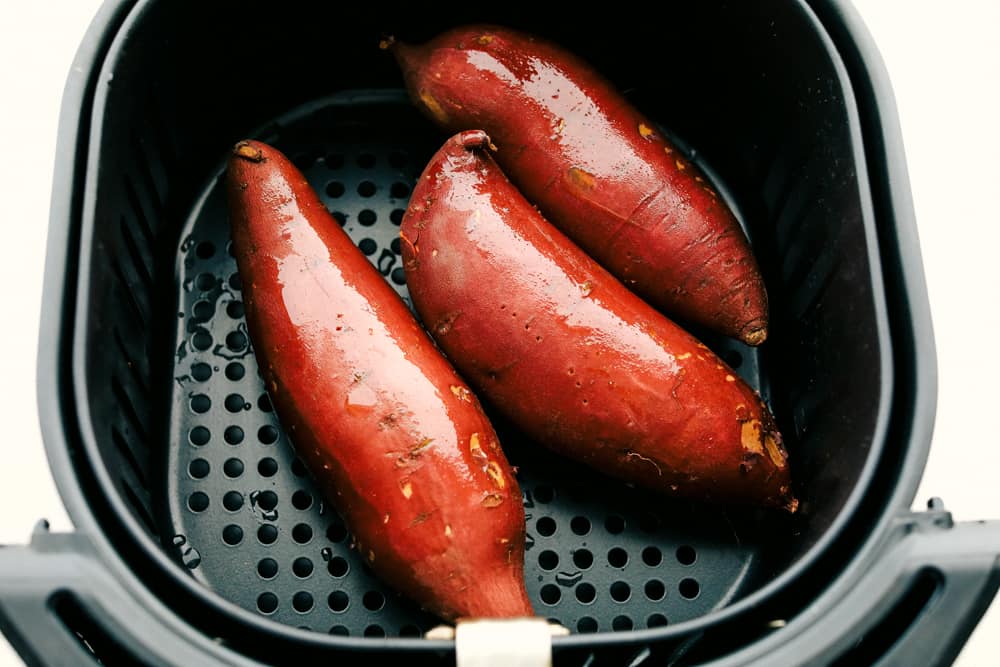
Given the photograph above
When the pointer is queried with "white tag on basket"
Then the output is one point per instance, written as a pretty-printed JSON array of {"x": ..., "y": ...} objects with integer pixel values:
[{"x": 515, "y": 642}]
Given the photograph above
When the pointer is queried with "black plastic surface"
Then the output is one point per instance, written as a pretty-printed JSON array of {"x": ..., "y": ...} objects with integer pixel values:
[{"x": 173, "y": 93}]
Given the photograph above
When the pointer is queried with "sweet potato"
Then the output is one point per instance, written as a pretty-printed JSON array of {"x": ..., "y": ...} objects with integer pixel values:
[
  {"x": 395, "y": 437},
  {"x": 568, "y": 353},
  {"x": 597, "y": 168}
]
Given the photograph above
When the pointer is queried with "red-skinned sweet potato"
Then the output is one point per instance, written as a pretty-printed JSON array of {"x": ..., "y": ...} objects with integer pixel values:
[
  {"x": 397, "y": 440},
  {"x": 568, "y": 353},
  {"x": 597, "y": 168}
]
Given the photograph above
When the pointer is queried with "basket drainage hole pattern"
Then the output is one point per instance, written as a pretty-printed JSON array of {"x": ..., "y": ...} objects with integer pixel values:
[{"x": 248, "y": 520}]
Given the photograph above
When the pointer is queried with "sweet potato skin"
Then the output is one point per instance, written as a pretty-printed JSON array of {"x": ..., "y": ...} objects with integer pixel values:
[
  {"x": 568, "y": 353},
  {"x": 395, "y": 437},
  {"x": 597, "y": 168}
]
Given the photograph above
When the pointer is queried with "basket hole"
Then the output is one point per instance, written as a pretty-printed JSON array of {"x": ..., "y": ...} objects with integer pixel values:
[
  {"x": 686, "y": 555},
  {"x": 399, "y": 276},
  {"x": 202, "y": 310},
  {"x": 546, "y": 526},
  {"x": 335, "y": 189},
  {"x": 649, "y": 523},
  {"x": 264, "y": 403},
  {"x": 338, "y": 567},
  {"x": 396, "y": 216},
  {"x": 340, "y": 630},
  {"x": 733, "y": 358},
  {"x": 548, "y": 560},
  {"x": 398, "y": 159},
  {"x": 689, "y": 588},
  {"x": 267, "y": 603},
  {"x": 232, "y": 468},
  {"x": 267, "y": 500},
  {"x": 235, "y": 371},
  {"x": 367, "y": 217},
  {"x": 236, "y": 341},
  {"x": 338, "y": 601},
  {"x": 235, "y": 309},
  {"x": 620, "y": 591},
  {"x": 200, "y": 435},
  {"x": 340, "y": 217},
  {"x": 410, "y": 631},
  {"x": 652, "y": 556},
  {"x": 373, "y": 601},
  {"x": 395, "y": 246},
  {"x": 267, "y": 568},
  {"x": 336, "y": 532},
  {"x": 201, "y": 372},
  {"x": 200, "y": 404},
  {"x": 368, "y": 246},
  {"x": 617, "y": 557},
  {"x": 233, "y": 435},
  {"x": 232, "y": 534},
  {"x": 655, "y": 590},
  {"x": 302, "y": 500},
  {"x": 198, "y": 502},
  {"x": 551, "y": 594},
  {"x": 583, "y": 559},
  {"x": 366, "y": 188},
  {"x": 205, "y": 250},
  {"x": 235, "y": 282},
  {"x": 302, "y": 602},
  {"x": 366, "y": 160},
  {"x": 544, "y": 493},
  {"x": 399, "y": 190},
  {"x": 586, "y": 593},
  {"x": 334, "y": 160},
  {"x": 267, "y": 467},
  {"x": 374, "y": 631},
  {"x": 302, "y": 567},
  {"x": 267, "y": 534},
  {"x": 204, "y": 282},
  {"x": 267, "y": 434},
  {"x": 302, "y": 533},
  {"x": 304, "y": 160},
  {"x": 232, "y": 501},
  {"x": 656, "y": 621},
  {"x": 235, "y": 403},
  {"x": 199, "y": 468},
  {"x": 614, "y": 524},
  {"x": 580, "y": 525},
  {"x": 586, "y": 625},
  {"x": 621, "y": 623}
]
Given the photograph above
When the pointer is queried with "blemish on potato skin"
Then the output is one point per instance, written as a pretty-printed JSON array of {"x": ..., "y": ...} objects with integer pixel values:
[
  {"x": 645, "y": 131},
  {"x": 581, "y": 178},
  {"x": 433, "y": 106},
  {"x": 407, "y": 489},
  {"x": 682, "y": 357},
  {"x": 750, "y": 436},
  {"x": 493, "y": 470},
  {"x": 586, "y": 288},
  {"x": 385, "y": 519},
  {"x": 680, "y": 165},
  {"x": 730, "y": 378},
  {"x": 485, "y": 39},
  {"x": 447, "y": 530},
  {"x": 668, "y": 150},
  {"x": 492, "y": 500},
  {"x": 461, "y": 393}
]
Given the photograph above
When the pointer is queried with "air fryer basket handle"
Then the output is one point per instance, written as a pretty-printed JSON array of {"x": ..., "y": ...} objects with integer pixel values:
[
  {"x": 916, "y": 601},
  {"x": 60, "y": 606}
]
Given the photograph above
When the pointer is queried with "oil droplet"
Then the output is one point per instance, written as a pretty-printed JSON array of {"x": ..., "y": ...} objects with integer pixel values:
[
  {"x": 529, "y": 541},
  {"x": 191, "y": 558},
  {"x": 569, "y": 578},
  {"x": 178, "y": 540},
  {"x": 326, "y": 553}
]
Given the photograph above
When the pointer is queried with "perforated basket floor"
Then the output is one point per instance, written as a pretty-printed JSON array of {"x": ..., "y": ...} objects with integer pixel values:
[{"x": 248, "y": 521}]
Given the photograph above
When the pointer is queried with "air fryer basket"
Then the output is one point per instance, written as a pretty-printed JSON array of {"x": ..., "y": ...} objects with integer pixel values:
[{"x": 199, "y": 526}]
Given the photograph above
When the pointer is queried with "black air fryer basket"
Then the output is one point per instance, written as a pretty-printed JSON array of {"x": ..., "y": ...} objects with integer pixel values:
[{"x": 202, "y": 539}]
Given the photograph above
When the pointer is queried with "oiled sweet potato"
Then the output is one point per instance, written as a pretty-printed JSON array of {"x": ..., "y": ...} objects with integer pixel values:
[
  {"x": 568, "y": 353},
  {"x": 395, "y": 437},
  {"x": 597, "y": 168}
]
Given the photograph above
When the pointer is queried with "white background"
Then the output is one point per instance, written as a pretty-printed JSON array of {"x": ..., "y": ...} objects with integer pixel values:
[{"x": 944, "y": 62}]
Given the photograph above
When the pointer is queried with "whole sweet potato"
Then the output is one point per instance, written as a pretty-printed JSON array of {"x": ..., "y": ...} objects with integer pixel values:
[
  {"x": 597, "y": 168},
  {"x": 398, "y": 442},
  {"x": 568, "y": 353}
]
